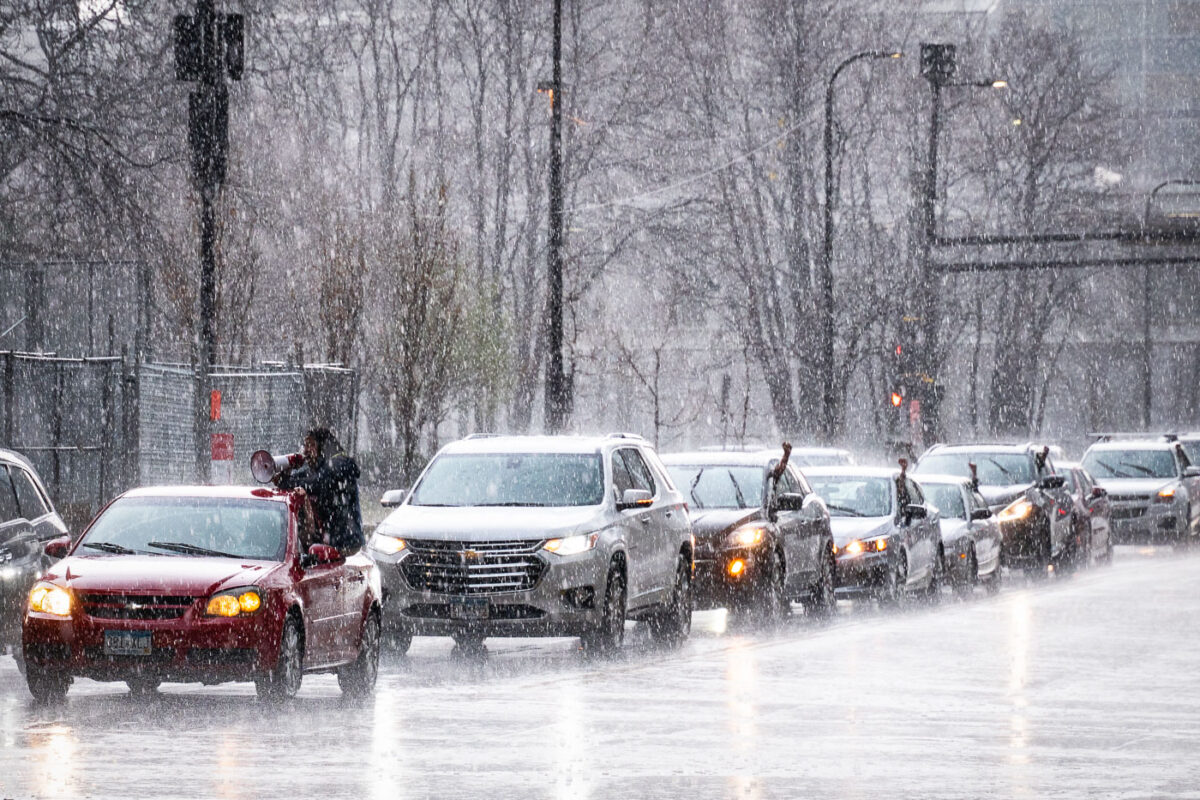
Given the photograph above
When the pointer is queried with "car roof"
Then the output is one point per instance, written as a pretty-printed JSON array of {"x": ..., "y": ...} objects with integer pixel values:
[
  {"x": 13, "y": 455},
  {"x": 232, "y": 492},
  {"x": 1134, "y": 444},
  {"x": 725, "y": 458},
  {"x": 539, "y": 444},
  {"x": 933, "y": 477},
  {"x": 852, "y": 471},
  {"x": 983, "y": 447}
]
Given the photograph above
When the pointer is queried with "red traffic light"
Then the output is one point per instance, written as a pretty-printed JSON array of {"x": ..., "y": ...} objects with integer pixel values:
[{"x": 897, "y": 399}]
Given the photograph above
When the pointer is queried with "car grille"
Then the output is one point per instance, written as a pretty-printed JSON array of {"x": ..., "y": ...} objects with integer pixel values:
[
  {"x": 1132, "y": 512},
  {"x": 1130, "y": 498},
  {"x": 458, "y": 567},
  {"x": 135, "y": 606}
]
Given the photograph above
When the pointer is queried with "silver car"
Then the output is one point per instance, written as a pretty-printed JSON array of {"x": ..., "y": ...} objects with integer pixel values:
[
  {"x": 971, "y": 537},
  {"x": 538, "y": 536},
  {"x": 1153, "y": 489},
  {"x": 886, "y": 537}
]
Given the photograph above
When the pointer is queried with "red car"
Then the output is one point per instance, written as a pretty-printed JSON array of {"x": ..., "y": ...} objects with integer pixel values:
[{"x": 207, "y": 584}]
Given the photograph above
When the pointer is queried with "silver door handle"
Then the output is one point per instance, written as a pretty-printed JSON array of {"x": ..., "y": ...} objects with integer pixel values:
[{"x": 645, "y": 520}]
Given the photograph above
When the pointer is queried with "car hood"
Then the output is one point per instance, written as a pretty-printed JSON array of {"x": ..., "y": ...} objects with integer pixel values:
[
  {"x": 846, "y": 529},
  {"x": 491, "y": 523},
  {"x": 998, "y": 497},
  {"x": 714, "y": 522},
  {"x": 1146, "y": 486},
  {"x": 177, "y": 575},
  {"x": 953, "y": 528}
]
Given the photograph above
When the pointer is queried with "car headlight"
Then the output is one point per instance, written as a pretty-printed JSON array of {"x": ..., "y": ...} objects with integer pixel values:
[
  {"x": 1166, "y": 495},
  {"x": 234, "y": 602},
  {"x": 747, "y": 536},
  {"x": 47, "y": 598},
  {"x": 857, "y": 547},
  {"x": 572, "y": 545},
  {"x": 1018, "y": 509},
  {"x": 388, "y": 545}
]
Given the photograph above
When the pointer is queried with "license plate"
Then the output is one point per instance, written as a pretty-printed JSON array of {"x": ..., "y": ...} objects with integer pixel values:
[
  {"x": 127, "y": 643},
  {"x": 468, "y": 608}
]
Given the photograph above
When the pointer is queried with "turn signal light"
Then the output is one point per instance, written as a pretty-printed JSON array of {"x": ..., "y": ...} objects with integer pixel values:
[
  {"x": 736, "y": 567},
  {"x": 230, "y": 605}
]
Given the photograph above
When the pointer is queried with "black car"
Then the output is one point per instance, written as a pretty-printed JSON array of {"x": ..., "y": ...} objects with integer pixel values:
[
  {"x": 1024, "y": 491},
  {"x": 760, "y": 542},
  {"x": 27, "y": 521}
]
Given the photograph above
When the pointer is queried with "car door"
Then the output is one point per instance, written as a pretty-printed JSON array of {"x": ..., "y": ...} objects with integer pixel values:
[
  {"x": 986, "y": 532},
  {"x": 925, "y": 534},
  {"x": 661, "y": 552},
  {"x": 16, "y": 534},
  {"x": 1191, "y": 484},
  {"x": 635, "y": 522},
  {"x": 800, "y": 531},
  {"x": 354, "y": 586},
  {"x": 319, "y": 587}
]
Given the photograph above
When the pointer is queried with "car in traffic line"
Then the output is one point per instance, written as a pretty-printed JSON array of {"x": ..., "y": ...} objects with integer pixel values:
[
  {"x": 760, "y": 542},
  {"x": 1153, "y": 489},
  {"x": 27, "y": 521},
  {"x": 971, "y": 537},
  {"x": 887, "y": 540},
  {"x": 537, "y": 536},
  {"x": 205, "y": 584},
  {"x": 1020, "y": 485},
  {"x": 1093, "y": 527}
]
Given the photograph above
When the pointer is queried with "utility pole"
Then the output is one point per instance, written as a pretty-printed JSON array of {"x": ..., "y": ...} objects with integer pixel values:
[
  {"x": 557, "y": 392},
  {"x": 208, "y": 46}
]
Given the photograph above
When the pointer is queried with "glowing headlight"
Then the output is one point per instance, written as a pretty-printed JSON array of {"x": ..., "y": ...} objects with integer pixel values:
[
  {"x": 572, "y": 545},
  {"x": 388, "y": 545},
  {"x": 1165, "y": 495},
  {"x": 50, "y": 599},
  {"x": 857, "y": 547},
  {"x": 745, "y": 537},
  {"x": 1018, "y": 509},
  {"x": 854, "y": 548},
  {"x": 230, "y": 604}
]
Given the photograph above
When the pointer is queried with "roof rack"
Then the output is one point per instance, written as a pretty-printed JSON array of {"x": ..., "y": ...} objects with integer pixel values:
[
  {"x": 622, "y": 435},
  {"x": 1108, "y": 436}
]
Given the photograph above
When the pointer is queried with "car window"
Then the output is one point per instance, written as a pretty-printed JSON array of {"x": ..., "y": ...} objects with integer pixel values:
[
  {"x": 28, "y": 497},
  {"x": 512, "y": 479},
  {"x": 854, "y": 495},
  {"x": 788, "y": 484},
  {"x": 914, "y": 492},
  {"x": 8, "y": 500},
  {"x": 1130, "y": 463},
  {"x": 622, "y": 480},
  {"x": 948, "y": 499},
  {"x": 977, "y": 500},
  {"x": 1085, "y": 481},
  {"x": 638, "y": 471},
  {"x": 1069, "y": 480}
]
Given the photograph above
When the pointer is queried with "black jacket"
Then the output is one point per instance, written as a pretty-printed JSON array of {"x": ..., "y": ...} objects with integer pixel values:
[{"x": 333, "y": 487}]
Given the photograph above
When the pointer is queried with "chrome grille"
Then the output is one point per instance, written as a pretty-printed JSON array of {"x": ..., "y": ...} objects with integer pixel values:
[
  {"x": 472, "y": 568},
  {"x": 1128, "y": 512},
  {"x": 1130, "y": 498},
  {"x": 135, "y": 606}
]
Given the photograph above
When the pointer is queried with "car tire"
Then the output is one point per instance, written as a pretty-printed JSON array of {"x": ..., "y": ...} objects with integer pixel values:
[
  {"x": 142, "y": 686},
  {"x": 1106, "y": 558},
  {"x": 891, "y": 594},
  {"x": 822, "y": 598},
  {"x": 47, "y": 685},
  {"x": 358, "y": 679},
  {"x": 607, "y": 636},
  {"x": 282, "y": 682},
  {"x": 672, "y": 626},
  {"x": 965, "y": 587}
]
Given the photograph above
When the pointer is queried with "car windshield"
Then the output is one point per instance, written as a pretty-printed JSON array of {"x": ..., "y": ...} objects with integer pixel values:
[
  {"x": 948, "y": 499},
  {"x": 854, "y": 496},
  {"x": 1130, "y": 463},
  {"x": 190, "y": 526},
  {"x": 512, "y": 479},
  {"x": 718, "y": 485},
  {"x": 832, "y": 459},
  {"x": 995, "y": 469}
]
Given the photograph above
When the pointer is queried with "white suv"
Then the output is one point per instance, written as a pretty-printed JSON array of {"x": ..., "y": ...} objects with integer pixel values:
[{"x": 537, "y": 536}]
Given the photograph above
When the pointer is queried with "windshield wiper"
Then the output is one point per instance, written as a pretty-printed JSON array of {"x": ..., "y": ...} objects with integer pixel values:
[
  {"x": 1113, "y": 471},
  {"x": 849, "y": 511},
  {"x": 692, "y": 489},
  {"x": 111, "y": 547},
  {"x": 1145, "y": 470},
  {"x": 191, "y": 549},
  {"x": 736, "y": 489},
  {"x": 1000, "y": 467}
]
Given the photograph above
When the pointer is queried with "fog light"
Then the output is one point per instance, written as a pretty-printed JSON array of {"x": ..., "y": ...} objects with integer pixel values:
[{"x": 736, "y": 567}]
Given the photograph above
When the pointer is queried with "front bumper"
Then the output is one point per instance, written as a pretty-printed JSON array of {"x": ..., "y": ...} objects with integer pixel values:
[
  {"x": 1146, "y": 522},
  {"x": 1025, "y": 541},
  {"x": 565, "y": 600},
  {"x": 714, "y": 586},
  {"x": 862, "y": 574},
  {"x": 191, "y": 648}
]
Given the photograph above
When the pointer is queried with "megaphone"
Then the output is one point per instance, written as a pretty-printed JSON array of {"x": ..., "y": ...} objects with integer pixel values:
[{"x": 264, "y": 466}]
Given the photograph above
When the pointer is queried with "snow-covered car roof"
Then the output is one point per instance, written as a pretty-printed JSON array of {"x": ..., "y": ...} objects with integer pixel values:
[
  {"x": 1134, "y": 444},
  {"x": 725, "y": 458},
  {"x": 537, "y": 444}
]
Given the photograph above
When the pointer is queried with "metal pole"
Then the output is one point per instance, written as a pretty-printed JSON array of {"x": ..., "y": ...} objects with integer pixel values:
[
  {"x": 1147, "y": 350},
  {"x": 555, "y": 400},
  {"x": 929, "y": 277}
]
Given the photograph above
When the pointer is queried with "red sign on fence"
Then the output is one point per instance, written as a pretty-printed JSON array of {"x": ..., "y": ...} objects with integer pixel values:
[{"x": 222, "y": 447}]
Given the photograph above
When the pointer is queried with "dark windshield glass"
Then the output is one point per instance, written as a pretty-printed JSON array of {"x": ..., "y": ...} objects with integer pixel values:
[
  {"x": 852, "y": 496},
  {"x": 947, "y": 498},
  {"x": 1130, "y": 463},
  {"x": 713, "y": 486},
  {"x": 995, "y": 469},
  {"x": 512, "y": 479},
  {"x": 190, "y": 526}
]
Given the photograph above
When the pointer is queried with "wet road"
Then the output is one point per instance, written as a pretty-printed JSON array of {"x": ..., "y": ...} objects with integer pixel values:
[{"x": 1086, "y": 686}]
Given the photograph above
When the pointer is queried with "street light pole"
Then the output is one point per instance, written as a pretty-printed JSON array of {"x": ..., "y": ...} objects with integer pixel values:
[
  {"x": 825, "y": 307},
  {"x": 556, "y": 391}
]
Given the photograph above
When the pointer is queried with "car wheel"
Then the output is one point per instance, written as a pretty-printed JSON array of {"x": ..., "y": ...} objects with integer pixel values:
[
  {"x": 358, "y": 679},
  {"x": 965, "y": 586},
  {"x": 284, "y": 680},
  {"x": 142, "y": 685},
  {"x": 822, "y": 599},
  {"x": 1106, "y": 558},
  {"x": 608, "y": 635},
  {"x": 892, "y": 592},
  {"x": 45, "y": 684},
  {"x": 672, "y": 626}
]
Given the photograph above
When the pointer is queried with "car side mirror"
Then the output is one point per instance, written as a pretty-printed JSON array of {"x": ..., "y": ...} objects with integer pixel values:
[
  {"x": 1191, "y": 472},
  {"x": 1098, "y": 492},
  {"x": 981, "y": 513},
  {"x": 789, "y": 501},
  {"x": 915, "y": 511},
  {"x": 393, "y": 497},
  {"x": 635, "y": 498},
  {"x": 320, "y": 554},
  {"x": 1051, "y": 481},
  {"x": 57, "y": 548}
]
